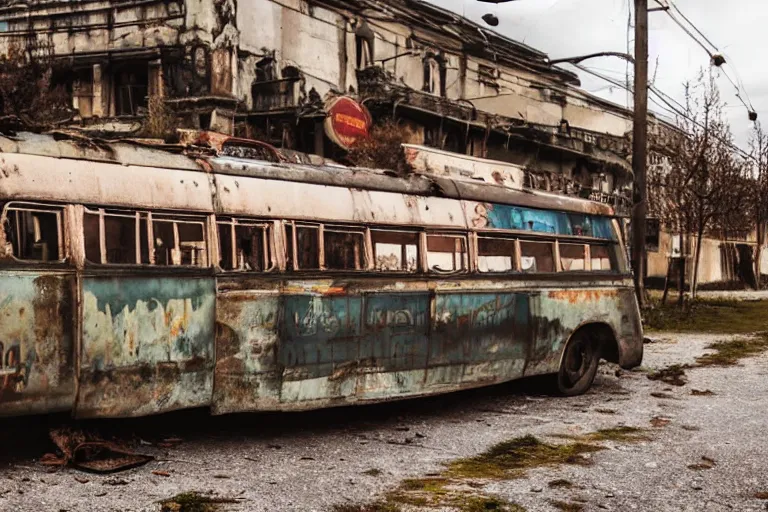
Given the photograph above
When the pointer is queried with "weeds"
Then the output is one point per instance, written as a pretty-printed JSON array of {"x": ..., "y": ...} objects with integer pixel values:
[
  {"x": 621, "y": 434},
  {"x": 729, "y": 352},
  {"x": 711, "y": 316},
  {"x": 192, "y": 502},
  {"x": 510, "y": 458}
]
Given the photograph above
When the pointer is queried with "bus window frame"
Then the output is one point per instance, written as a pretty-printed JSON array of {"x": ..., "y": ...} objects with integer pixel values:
[
  {"x": 267, "y": 227},
  {"x": 415, "y": 233},
  {"x": 29, "y": 206},
  {"x": 466, "y": 257},
  {"x": 516, "y": 264},
  {"x": 150, "y": 217}
]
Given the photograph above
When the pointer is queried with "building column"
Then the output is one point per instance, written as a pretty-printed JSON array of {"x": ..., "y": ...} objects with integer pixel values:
[{"x": 99, "y": 101}]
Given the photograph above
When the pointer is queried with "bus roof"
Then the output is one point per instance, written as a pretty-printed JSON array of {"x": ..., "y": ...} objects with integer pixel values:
[{"x": 187, "y": 158}]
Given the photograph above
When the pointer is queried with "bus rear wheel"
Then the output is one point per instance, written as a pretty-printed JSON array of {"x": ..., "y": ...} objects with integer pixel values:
[{"x": 579, "y": 365}]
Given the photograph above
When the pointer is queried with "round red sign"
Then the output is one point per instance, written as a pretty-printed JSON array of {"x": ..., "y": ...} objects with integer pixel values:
[{"x": 346, "y": 121}]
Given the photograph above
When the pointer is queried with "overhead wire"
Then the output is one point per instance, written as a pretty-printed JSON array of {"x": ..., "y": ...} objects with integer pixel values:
[{"x": 670, "y": 105}]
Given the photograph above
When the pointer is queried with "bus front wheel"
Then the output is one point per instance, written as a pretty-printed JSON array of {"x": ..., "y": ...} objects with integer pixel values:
[{"x": 579, "y": 364}]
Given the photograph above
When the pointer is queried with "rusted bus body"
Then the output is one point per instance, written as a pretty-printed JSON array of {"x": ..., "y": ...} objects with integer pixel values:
[{"x": 180, "y": 321}]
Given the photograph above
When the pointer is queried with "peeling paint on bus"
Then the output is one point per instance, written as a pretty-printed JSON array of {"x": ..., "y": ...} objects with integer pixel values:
[
  {"x": 147, "y": 345},
  {"x": 36, "y": 350}
]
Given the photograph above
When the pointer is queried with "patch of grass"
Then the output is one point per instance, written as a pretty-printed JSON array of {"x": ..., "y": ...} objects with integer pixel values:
[
  {"x": 567, "y": 506},
  {"x": 192, "y": 502},
  {"x": 432, "y": 485},
  {"x": 510, "y": 458},
  {"x": 674, "y": 375},
  {"x": 729, "y": 352},
  {"x": 712, "y": 316},
  {"x": 560, "y": 483},
  {"x": 621, "y": 434},
  {"x": 474, "y": 503}
]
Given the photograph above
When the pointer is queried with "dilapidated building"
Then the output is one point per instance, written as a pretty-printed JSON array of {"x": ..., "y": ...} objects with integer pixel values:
[{"x": 267, "y": 69}]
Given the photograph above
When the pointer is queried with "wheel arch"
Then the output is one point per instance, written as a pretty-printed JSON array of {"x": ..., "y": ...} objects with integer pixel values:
[{"x": 604, "y": 333}]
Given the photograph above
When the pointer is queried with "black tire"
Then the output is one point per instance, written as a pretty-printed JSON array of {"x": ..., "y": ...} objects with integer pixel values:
[{"x": 579, "y": 364}]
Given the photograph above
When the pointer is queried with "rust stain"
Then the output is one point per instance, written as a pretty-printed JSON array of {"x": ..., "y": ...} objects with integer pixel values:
[{"x": 578, "y": 296}]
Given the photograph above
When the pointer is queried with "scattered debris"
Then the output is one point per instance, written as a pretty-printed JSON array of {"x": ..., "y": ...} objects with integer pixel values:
[
  {"x": 372, "y": 472},
  {"x": 674, "y": 375},
  {"x": 761, "y": 495},
  {"x": 706, "y": 392},
  {"x": 706, "y": 463},
  {"x": 115, "y": 481},
  {"x": 89, "y": 453},
  {"x": 161, "y": 473},
  {"x": 658, "y": 421},
  {"x": 170, "y": 442},
  {"x": 82, "y": 480},
  {"x": 605, "y": 411},
  {"x": 691, "y": 428},
  {"x": 193, "y": 502},
  {"x": 560, "y": 484},
  {"x": 223, "y": 477}
]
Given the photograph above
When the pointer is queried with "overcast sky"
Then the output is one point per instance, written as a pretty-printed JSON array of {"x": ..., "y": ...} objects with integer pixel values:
[{"x": 566, "y": 28}]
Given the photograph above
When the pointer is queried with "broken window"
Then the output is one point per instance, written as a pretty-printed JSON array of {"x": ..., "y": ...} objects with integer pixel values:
[
  {"x": 601, "y": 257},
  {"x": 33, "y": 232},
  {"x": 344, "y": 250},
  {"x": 496, "y": 255},
  {"x": 245, "y": 245},
  {"x": 446, "y": 253},
  {"x": 302, "y": 246},
  {"x": 395, "y": 251},
  {"x": 131, "y": 88},
  {"x": 572, "y": 257},
  {"x": 434, "y": 75},
  {"x": 364, "y": 39},
  {"x": 116, "y": 236},
  {"x": 265, "y": 70},
  {"x": 652, "y": 230},
  {"x": 123, "y": 237},
  {"x": 488, "y": 75},
  {"x": 537, "y": 256}
]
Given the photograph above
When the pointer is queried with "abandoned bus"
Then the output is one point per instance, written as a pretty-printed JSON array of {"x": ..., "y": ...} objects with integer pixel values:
[{"x": 136, "y": 281}]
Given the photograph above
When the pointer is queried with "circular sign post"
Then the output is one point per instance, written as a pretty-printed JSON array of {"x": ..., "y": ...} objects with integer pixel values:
[{"x": 346, "y": 121}]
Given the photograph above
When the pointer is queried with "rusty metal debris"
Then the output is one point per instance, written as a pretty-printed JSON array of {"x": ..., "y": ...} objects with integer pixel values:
[{"x": 88, "y": 453}]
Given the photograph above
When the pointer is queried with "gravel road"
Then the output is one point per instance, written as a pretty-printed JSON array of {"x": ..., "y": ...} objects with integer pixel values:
[{"x": 313, "y": 461}]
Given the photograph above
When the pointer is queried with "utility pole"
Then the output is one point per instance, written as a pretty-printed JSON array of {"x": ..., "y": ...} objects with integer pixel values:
[{"x": 640, "y": 148}]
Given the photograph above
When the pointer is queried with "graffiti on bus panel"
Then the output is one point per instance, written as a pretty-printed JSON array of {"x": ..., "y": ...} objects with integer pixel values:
[{"x": 501, "y": 216}]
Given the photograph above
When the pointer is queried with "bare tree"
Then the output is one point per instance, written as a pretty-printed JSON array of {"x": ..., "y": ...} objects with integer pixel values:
[
  {"x": 758, "y": 192},
  {"x": 700, "y": 191}
]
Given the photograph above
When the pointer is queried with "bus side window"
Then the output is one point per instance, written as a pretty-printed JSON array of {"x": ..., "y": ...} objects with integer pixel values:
[
  {"x": 344, "y": 250},
  {"x": 572, "y": 257},
  {"x": 179, "y": 241},
  {"x": 601, "y": 258},
  {"x": 244, "y": 245},
  {"x": 33, "y": 233},
  {"x": 446, "y": 253},
  {"x": 537, "y": 256},
  {"x": 307, "y": 246},
  {"x": 395, "y": 251},
  {"x": 495, "y": 255}
]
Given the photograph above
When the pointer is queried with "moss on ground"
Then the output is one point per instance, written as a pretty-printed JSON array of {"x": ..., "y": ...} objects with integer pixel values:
[
  {"x": 729, "y": 352},
  {"x": 193, "y": 502},
  {"x": 710, "y": 316}
]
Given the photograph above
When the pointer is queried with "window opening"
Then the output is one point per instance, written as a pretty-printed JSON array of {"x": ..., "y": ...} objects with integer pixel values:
[
  {"x": 434, "y": 75},
  {"x": 120, "y": 238},
  {"x": 446, "y": 253},
  {"x": 164, "y": 243},
  {"x": 303, "y": 246},
  {"x": 537, "y": 256},
  {"x": 601, "y": 257},
  {"x": 495, "y": 255},
  {"x": 364, "y": 39},
  {"x": 34, "y": 233},
  {"x": 192, "y": 244},
  {"x": 244, "y": 246},
  {"x": 344, "y": 250},
  {"x": 92, "y": 236},
  {"x": 131, "y": 88},
  {"x": 395, "y": 251},
  {"x": 572, "y": 257}
]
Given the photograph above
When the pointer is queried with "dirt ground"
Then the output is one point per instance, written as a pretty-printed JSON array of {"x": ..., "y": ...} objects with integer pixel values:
[{"x": 323, "y": 460}]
